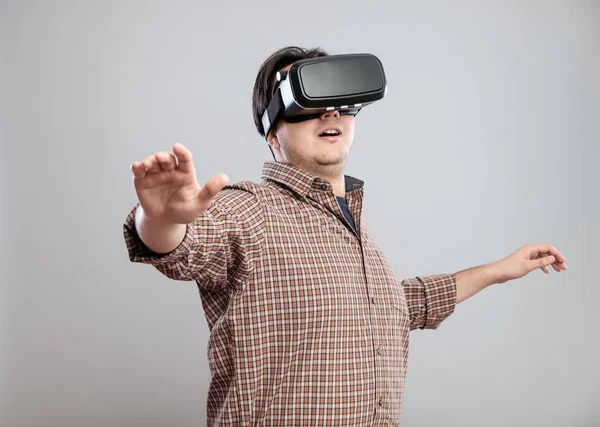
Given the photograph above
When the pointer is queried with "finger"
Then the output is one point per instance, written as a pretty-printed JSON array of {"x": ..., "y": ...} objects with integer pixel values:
[
  {"x": 559, "y": 266},
  {"x": 556, "y": 265},
  {"x": 138, "y": 170},
  {"x": 150, "y": 164},
  {"x": 560, "y": 263},
  {"x": 545, "y": 270},
  {"x": 559, "y": 257},
  {"x": 549, "y": 249},
  {"x": 185, "y": 159},
  {"x": 165, "y": 160},
  {"x": 543, "y": 263},
  {"x": 212, "y": 187}
]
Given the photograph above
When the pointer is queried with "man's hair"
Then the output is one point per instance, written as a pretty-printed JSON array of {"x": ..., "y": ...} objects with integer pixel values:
[{"x": 265, "y": 80}]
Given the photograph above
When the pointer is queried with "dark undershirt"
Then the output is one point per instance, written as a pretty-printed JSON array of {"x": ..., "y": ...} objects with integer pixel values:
[{"x": 344, "y": 206}]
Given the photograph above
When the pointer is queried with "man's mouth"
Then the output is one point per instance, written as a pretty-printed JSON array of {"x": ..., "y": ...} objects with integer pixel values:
[{"x": 331, "y": 133}]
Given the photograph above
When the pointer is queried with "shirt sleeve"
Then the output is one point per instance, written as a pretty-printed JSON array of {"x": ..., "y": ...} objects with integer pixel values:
[
  {"x": 430, "y": 299},
  {"x": 221, "y": 246}
]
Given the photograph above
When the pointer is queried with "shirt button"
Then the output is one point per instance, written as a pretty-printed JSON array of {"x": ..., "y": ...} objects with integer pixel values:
[
  {"x": 379, "y": 351},
  {"x": 423, "y": 308},
  {"x": 323, "y": 186},
  {"x": 373, "y": 300},
  {"x": 380, "y": 402}
]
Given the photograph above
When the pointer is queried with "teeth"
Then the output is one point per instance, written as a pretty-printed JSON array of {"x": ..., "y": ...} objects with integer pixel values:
[{"x": 331, "y": 132}]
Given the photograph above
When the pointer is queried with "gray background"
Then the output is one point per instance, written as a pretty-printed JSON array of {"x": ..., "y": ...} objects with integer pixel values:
[{"x": 487, "y": 140}]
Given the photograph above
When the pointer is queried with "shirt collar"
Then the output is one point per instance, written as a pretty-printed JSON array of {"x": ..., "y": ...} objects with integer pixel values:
[{"x": 300, "y": 181}]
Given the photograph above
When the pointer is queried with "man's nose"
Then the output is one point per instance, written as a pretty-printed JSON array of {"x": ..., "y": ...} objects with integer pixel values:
[{"x": 330, "y": 115}]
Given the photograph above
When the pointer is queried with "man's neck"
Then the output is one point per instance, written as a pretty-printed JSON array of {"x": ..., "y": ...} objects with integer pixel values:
[
  {"x": 335, "y": 176},
  {"x": 339, "y": 186},
  {"x": 337, "y": 181}
]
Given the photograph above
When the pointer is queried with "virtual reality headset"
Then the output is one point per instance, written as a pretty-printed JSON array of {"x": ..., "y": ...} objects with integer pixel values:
[{"x": 344, "y": 83}]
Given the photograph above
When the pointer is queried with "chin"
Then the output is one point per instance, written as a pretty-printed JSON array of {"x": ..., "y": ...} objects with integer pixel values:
[{"x": 331, "y": 160}]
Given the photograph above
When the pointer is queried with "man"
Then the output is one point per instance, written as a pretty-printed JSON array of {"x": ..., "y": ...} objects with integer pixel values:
[{"x": 308, "y": 324}]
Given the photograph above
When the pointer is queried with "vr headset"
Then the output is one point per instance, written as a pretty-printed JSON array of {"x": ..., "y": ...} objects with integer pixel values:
[{"x": 345, "y": 83}]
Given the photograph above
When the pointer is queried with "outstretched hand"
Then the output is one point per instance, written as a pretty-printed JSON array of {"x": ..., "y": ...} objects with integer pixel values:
[
  {"x": 167, "y": 187},
  {"x": 527, "y": 259}
]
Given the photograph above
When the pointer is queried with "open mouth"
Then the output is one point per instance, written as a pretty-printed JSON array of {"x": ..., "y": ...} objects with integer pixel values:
[{"x": 329, "y": 133}]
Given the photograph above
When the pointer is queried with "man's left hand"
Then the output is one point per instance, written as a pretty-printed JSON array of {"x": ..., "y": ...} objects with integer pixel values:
[{"x": 527, "y": 259}]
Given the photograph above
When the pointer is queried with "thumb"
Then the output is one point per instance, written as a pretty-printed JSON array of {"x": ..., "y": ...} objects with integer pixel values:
[
  {"x": 212, "y": 187},
  {"x": 542, "y": 262}
]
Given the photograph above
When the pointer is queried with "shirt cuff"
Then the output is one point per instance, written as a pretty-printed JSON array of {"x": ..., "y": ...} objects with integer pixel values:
[
  {"x": 139, "y": 252},
  {"x": 431, "y": 299}
]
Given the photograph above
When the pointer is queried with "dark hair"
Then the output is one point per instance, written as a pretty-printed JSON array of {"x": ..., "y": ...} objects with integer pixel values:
[{"x": 265, "y": 80}]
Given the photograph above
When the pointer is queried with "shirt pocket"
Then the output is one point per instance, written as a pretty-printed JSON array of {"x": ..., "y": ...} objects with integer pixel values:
[{"x": 401, "y": 306}]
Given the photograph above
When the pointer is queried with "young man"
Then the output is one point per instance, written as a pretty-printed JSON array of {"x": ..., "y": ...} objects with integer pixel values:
[{"x": 308, "y": 324}]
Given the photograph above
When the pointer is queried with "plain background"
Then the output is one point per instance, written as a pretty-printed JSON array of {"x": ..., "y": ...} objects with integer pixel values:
[{"x": 487, "y": 140}]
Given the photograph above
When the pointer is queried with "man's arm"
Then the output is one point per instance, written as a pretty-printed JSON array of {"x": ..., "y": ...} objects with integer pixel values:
[
  {"x": 518, "y": 264},
  {"x": 473, "y": 280},
  {"x": 159, "y": 235},
  {"x": 190, "y": 232},
  {"x": 431, "y": 299},
  {"x": 216, "y": 244}
]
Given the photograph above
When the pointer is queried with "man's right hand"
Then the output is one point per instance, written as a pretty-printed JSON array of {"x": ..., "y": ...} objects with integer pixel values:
[{"x": 167, "y": 187}]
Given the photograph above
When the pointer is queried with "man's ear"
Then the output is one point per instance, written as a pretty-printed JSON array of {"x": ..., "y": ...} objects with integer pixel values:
[{"x": 272, "y": 140}]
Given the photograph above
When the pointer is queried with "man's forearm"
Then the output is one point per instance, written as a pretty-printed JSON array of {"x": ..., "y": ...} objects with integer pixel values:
[
  {"x": 473, "y": 280},
  {"x": 158, "y": 235}
]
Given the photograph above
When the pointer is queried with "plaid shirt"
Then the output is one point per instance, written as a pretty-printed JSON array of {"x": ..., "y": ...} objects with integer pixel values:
[{"x": 308, "y": 324}]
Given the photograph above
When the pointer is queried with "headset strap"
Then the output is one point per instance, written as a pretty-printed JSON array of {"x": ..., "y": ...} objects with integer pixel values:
[{"x": 272, "y": 112}]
